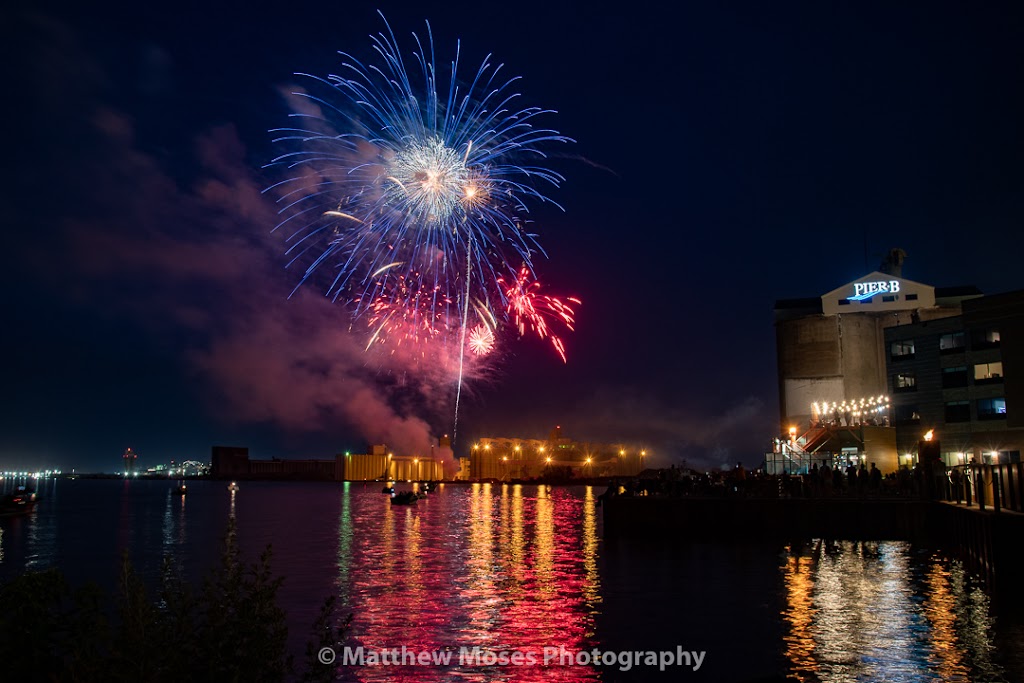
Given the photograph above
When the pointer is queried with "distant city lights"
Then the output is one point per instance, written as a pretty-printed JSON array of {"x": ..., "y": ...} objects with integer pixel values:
[{"x": 42, "y": 474}]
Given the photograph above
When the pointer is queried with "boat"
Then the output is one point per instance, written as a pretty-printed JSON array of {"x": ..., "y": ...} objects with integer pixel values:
[
  {"x": 388, "y": 490},
  {"x": 180, "y": 489},
  {"x": 404, "y": 498},
  {"x": 232, "y": 487},
  {"x": 21, "y": 501}
]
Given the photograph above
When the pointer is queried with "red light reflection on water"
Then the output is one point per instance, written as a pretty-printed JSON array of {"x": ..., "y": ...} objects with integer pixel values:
[{"x": 497, "y": 567}]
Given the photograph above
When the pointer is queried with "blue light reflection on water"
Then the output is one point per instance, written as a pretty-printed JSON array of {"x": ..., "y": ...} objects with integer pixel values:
[{"x": 506, "y": 567}]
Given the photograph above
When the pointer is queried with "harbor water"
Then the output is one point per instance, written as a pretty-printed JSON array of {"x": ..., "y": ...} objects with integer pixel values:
[{"x": 475, "y": 570}]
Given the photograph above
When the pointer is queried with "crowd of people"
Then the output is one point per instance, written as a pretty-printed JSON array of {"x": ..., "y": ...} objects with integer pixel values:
[{"x": 818, "y": 482}]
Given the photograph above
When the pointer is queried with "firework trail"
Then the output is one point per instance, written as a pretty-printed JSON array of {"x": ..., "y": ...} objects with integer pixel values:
[{"x": 407, "y": 191}]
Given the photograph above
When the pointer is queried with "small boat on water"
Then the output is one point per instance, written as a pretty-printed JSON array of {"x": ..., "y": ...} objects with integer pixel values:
[
  {"x": 21, "y": 501},
  {"x": 388, "y": 490},
  {"x": 404, "y": 498},
  {"x": 180, "y": 489},
  {"x": 232, "y": 487}
]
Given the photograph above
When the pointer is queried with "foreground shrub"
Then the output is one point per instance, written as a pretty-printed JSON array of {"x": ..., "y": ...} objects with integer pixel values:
[{"x": 229, "y": 630}]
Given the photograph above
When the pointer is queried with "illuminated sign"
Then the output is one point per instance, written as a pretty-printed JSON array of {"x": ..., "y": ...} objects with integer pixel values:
[{"x": 866, "y": 290}]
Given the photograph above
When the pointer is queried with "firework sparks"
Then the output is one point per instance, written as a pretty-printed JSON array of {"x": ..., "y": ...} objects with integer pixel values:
[
  {"x": 530, "y": 310},
  {"x": 401, "y": 313},
  {"x": 481, "y": 340},
  {"x": 413, "y": 190},
  {"x": 422, "y": 172}
]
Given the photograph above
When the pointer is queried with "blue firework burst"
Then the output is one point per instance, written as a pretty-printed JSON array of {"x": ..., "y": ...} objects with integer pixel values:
[{"x": 413, "y": 189}]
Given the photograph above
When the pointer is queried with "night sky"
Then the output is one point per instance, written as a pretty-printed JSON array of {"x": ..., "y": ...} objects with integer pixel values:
[{"x": 727, "y": 155}]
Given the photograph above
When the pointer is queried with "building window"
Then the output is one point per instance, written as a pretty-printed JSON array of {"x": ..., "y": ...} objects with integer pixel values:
[
  {"x": 902, "y": 350},
  {"x": 954, "y": 377},
  {"x": 958, "y": 411},
  {"x": 907, "y": 415},
  {"x": 952, "y": 342},
  {"x": 844, "y": 302},
  {"x": 987, "y": 338},
  {"x": 988, "y": 373},
  {"x": 911, "y": 297},
  {"x": 953, "y": 458},
  {"x": 905, "y": 381},
  {"x": 991, "y": 409},
  {"x": 891, "y": 297},
  {"x": 999, "y": 457}
]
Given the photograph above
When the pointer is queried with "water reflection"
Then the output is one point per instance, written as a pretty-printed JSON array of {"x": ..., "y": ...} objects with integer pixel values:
[
  {"x": 523, "y": 567},
  {"x": 868, "y": 612},
  {"x": 173, "y": 525},
  {"x": 489, "y": 566},
  {"x": 345, "y": 537},
  {"x": 40, "y": 530}
]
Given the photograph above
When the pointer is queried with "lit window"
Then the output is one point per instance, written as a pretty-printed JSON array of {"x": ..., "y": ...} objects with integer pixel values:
[
  {"x": 951, "y": 343},
  {"x": 907, "y": 415},
  {"x": 902, "y": 349},
  {"x": 987, "y": 338},
  {"x": 988, "y": 371},
  {"x": 991, "y": 408},
  {"x": 905, "y": 381}
]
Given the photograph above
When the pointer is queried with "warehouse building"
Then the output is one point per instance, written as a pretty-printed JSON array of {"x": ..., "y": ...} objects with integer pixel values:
[
  {"x": 379, "y": 464},
  {"x": 835, "y": 394}
]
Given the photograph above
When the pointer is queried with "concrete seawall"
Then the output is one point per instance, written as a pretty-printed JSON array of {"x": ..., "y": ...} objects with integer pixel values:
[
  {"x": 991, "y": 544},
  {"x": 779, "y": 519}
]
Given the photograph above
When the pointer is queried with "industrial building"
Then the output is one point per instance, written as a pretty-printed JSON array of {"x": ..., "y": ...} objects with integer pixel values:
[
  {"x": 379, "y": 464},
  {"x": 508, "y": 458},
  {"x": 836, "y": 393}
]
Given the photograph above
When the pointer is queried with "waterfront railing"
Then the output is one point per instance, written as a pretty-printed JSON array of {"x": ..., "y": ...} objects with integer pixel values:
[{"x": 996, "y": 487}]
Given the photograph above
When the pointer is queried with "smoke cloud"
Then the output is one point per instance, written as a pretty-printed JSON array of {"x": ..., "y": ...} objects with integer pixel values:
[{"x": 182, "y": 245}]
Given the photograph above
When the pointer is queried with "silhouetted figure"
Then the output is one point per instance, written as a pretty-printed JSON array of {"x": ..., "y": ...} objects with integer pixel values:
[
  {"x": 876, "y": 479},
  {"x": 956, "y": 480}
]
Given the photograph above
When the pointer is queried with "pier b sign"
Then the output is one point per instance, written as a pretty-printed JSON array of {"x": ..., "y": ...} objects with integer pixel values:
[{"x": 863, "y": 291}]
